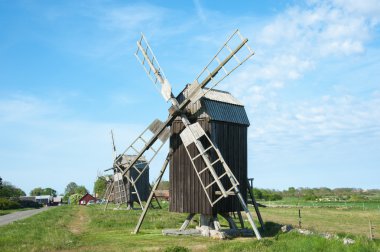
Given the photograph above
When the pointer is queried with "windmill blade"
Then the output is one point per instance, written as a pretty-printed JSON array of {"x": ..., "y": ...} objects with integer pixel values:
[
  {"x": 220, "y": 66},
  {"x": 158, "y": 131},
  {"x": 113, "y": 146},
  {"x": 148, "y": 60}
]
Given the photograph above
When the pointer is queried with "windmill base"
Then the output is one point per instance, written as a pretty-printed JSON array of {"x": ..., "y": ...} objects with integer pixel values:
[
  {"x": 209, "y": 226},
  {"x": 215, "y": 234}
]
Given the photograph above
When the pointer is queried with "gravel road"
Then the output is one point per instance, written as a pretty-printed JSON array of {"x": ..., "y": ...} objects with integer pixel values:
[{"x": 8, "y": 218}]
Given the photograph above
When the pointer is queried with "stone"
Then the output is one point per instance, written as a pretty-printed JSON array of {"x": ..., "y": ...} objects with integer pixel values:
[
  {"x": 348, "y": 241},
  {"x": 286, "y": 228}
]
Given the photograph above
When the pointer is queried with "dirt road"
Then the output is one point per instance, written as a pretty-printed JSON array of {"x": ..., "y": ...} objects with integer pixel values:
[{"x": 8, "y": 218}]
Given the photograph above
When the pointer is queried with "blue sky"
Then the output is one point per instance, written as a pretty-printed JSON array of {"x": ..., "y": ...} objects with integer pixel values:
[{"x": 312, "y": 93}]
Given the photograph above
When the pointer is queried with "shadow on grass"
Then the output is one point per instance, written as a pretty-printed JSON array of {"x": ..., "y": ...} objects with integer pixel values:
[{"x": 272, "y": 229}]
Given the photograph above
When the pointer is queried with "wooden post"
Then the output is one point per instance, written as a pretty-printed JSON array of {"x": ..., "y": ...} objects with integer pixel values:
[
  {"x": 241, "y": 219},
  {"x": 187, "y": 221},
  {"x": 108, "y": 197},
  {"x": 158, "y": 180},
  {"x": 299, "y": 218},
  {"x": 371, "y": 228}
]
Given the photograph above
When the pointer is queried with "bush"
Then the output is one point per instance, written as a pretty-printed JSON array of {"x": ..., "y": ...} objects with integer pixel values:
[
  {"x": 74, "y": 199},
  {"x": 29, "y": 204},
  {"x": 8, "y": 204},
  {"x": 266, "y": 194}
]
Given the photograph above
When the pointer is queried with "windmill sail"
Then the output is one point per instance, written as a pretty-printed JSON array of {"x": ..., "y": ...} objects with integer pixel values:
[{"x": 145, "y": 56}]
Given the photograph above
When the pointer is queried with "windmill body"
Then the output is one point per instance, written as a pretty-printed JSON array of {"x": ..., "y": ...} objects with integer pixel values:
[
  {"x": 139, "y": 192},
  {"x": 225, "y": 121},
  {"x": 120, "y": 190}
]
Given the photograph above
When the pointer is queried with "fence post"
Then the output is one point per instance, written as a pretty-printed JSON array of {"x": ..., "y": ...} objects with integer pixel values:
[{"x": 299, "y": 218}]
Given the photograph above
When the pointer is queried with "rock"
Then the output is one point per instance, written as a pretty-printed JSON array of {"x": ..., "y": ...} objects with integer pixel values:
[
  {"x": 348, "y": 241},
  {"x": 286, "y": 228},
  {"x": 217, "y": 235},
  {"x": 305, "y": 231},
  {"x": 329, "y": 236}
]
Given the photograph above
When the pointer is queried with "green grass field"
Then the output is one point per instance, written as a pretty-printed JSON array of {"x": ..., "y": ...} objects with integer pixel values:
[{"x": 89, "y": 228}]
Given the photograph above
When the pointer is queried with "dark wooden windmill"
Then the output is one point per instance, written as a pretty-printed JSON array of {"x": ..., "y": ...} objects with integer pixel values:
[
  {"x": 131, "y": 187},
  {"x": 225, "y": 122},
  {"x": 208, "y": 168}
]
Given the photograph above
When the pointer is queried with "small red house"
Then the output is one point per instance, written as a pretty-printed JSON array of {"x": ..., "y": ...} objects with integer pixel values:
[{"x": 87, "y": 198}]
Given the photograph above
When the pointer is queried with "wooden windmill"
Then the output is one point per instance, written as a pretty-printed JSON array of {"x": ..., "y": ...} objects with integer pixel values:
[
  {"x": 211, "y": 174},
  {"x": 133, "y": 186}
]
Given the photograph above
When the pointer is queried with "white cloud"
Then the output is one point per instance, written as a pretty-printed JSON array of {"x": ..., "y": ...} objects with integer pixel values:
[{"x": 288, "y": 48}]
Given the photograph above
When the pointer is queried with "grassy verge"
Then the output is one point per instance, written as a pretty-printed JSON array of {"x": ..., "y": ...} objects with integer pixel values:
[
  {"x": 351, "y": 221},
  {"x": 45, "y": 231},
  {"x": 89, "y": 228}
]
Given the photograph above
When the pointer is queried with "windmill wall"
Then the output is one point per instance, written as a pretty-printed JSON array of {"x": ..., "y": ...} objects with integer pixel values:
[
  {"x": 226, "y": 123},
  {"x": 142, "y": 185}
]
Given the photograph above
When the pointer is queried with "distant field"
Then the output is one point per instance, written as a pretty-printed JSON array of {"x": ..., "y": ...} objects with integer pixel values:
[
  {"x": 88, "y": 228},
  {"x": 293, "y": 201}
]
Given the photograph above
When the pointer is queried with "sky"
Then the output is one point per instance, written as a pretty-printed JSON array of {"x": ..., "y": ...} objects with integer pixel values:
[{"x": 68, "y": 75}]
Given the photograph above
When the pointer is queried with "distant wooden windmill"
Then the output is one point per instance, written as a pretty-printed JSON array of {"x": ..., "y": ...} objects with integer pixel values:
[
  {"x": 201, "y": 178},
  {"x": 131, "y": 187}
]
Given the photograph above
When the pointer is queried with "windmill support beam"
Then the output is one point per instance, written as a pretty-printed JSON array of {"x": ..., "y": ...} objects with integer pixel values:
[
  {"x": 187, "y": 221},
  {"x": 158, "y": 180}
]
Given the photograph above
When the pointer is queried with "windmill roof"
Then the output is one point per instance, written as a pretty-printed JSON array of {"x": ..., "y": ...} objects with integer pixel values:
[
  {"x": 218, "y": 105},
  {"x": 221, "y": 96}
]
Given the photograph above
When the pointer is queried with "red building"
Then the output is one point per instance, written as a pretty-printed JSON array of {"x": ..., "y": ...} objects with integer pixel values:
[{"x": 87, "y": 198}]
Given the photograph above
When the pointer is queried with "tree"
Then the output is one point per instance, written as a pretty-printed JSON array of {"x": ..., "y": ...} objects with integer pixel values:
[
  {"x": 74, "y": 198},
  {"x": 71, "y": 188},
  {"x": 50, "y": 191},
  {"x": 100, "y": 186},
  {"x": 81, "y": 190},
  {"x": 8, "y": 190},
  {"x": 36, "y": 191},
  {"x": 1, "y": 183}
]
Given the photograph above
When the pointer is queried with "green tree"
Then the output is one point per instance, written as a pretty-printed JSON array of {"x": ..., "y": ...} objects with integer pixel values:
[
  {"x": 74, "y": 198},
  {"x": 100, "y": 186},
  {"x": 8, "y": 190},
  {"x": 50, "y": 191},
  {"x": 71, "y": 188},
  {"x": 81, "y": 190},
  {"x": 36, "y": 191},
  {"x": 292, "y": 191}
]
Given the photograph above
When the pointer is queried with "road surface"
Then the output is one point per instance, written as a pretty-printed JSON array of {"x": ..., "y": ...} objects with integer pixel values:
[{"x": 8, "y": 218}]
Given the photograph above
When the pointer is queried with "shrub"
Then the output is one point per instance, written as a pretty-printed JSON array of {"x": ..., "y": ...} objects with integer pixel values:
[
  {"x": 74, "y": 199},
  {"x": 29, "y": 203},
  {"x": 8, "y": 204}
]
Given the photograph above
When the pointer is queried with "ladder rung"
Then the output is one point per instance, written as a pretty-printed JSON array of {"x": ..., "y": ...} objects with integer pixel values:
[
  {"x": 151, "y": 147},
  {"x": 208, "y": 186},
  {"x": 143, "y": 139},
  {"x": 228, "y": 193},
  {"x": 203, "y": 170},
  {"x": 138, "y": 170},
  {"x": 221, "y": 176},
  {"x": 134, "y": 149},
  {"x": 215, "y": 162},
  {"x": 197, "y": 156}
]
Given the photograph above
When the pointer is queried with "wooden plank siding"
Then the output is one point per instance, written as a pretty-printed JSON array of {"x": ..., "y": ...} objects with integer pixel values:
[{"x": 186, "y": 192}]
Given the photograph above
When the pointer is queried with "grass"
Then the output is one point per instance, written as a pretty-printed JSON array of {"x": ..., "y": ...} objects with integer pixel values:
[
  {"x": 89, "y": 228},
  {"x": 42, "y": 232},
  {"x": 294, "y": 201}
]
